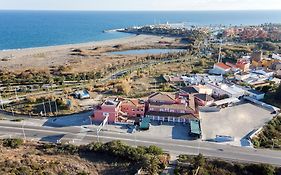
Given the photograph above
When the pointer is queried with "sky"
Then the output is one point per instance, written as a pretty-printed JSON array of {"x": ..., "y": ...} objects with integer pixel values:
[{"x": 172, "y": 5}]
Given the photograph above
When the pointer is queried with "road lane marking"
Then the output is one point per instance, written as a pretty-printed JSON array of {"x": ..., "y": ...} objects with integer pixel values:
[{"x": 148, "y": 142}]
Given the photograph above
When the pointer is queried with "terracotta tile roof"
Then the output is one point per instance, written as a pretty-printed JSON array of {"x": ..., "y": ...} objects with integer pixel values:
[
  {"x": 223, "y": 66},
  {"x": 159, "y": 96},
  {"x": 133, "y": 102},
  {"x": 231, "y": 65}
]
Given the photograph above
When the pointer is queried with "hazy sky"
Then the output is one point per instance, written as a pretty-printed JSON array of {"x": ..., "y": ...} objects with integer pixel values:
[{"x": 140, "y": 4}]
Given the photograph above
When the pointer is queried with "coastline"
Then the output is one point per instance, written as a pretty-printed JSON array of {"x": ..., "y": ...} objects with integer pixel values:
[
  {"x": 8, "y": 52},
  {"x": 44, "y": 58}
]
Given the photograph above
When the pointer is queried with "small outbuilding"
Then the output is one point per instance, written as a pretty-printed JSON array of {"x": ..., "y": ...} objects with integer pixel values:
[
  {"x": 145, "y": 124},
  {"x": 195, "y": 129},
  {"x": 256, "y": 94},
  {"x": 84, "y": 94}
]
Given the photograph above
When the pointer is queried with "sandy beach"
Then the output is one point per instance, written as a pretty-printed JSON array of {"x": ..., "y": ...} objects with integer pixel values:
[{"x": 43, "y": 58}]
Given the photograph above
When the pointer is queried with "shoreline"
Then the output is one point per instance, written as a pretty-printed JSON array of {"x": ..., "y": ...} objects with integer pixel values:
[
  {"x": 19, "y": 49},
  {"x": 67, "y": 46},
  {"x": 46, "y": 58}
]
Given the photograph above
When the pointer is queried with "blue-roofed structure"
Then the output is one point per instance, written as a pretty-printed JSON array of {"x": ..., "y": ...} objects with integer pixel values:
[
  {"x": 257, "y": 95},
  {"x": 145, "y": 123},
  {"x": 84, "y": 94},
  {"x": 195, "y": 129}
]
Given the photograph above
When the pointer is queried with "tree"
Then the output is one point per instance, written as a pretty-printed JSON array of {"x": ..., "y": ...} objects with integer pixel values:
[
  {"x": 124, "y": 87},
  {"x": 66, "y": 90},
  {"x": 152, "y": 164},
  {"x": 267, "y": 46},
  {"x": 277, "y": 94},
  {"x": 31, "y": 99},
  {"x": 199, "y": 161}
]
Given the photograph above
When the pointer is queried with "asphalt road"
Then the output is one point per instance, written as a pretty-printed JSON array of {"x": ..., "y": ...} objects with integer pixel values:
[{"x": 83, "y": 135}]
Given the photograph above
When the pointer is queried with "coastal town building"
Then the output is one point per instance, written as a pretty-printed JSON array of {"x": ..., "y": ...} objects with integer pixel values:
[
  {"x": 110, "y": 108},
  {"x": 265, "y": 63},
  {"x": 200, "y": 99},
  {"x": 243, "y": 64},
  {"x": 276, "y": 81},
  {"x": 257, "y": 56},
  {"x": 276, "y": 66},
  {"x": 257, "y": 95},
  {"x": 220, "y": 69},
  {"x": 242, "y": 76},
  {"x": 185, "y": 91},
  {"x": 203, "y": 89},
  {"x": 84, "y": 94},
  {"x": 225, "y": 90},
  {"x": 169, "y": 107},
  {"x": 203, "y": 99},
  {"x": 193, "y": 79},
  {"x": 132, "y": 108},
  {"x": 233, "y": 67},
  {"x": 226, "y": 102},
  {"x": 195, "y": 128},
  {"x": 119, "y": 110},
  {"x": 263, "y": 72}
]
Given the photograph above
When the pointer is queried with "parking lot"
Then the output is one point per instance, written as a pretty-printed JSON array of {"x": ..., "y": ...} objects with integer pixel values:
[
  {"x": 167, "y": 130},
  {"x": 177, "y": 131},
  {"x": 236, "y": 121}
]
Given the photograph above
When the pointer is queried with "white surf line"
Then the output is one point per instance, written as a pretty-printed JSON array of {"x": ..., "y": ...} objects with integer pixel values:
[{"x": 148, "y": 142}]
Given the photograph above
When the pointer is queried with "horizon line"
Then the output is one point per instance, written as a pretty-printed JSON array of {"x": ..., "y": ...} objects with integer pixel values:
[{"x": 124, "y": 10}]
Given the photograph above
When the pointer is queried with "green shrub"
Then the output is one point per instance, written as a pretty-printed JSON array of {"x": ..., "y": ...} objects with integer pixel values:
[
  {"x": 145, "y": 157},
  {"x": 154, "y": 150},
  {"x": 83, "y": 173},
  {"x": 67, "y": 149},
  {"x": 16, "y": 120},
  {"x": 12, "y": 143}
]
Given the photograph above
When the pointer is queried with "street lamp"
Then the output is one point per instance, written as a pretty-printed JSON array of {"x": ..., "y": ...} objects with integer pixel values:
[
  {"x": 17, "y": 98},
  {"x": 1, "y": 99},
  {"x": 91, "y": 122},
  {"x": 44, "y": 108},
  {"x": 273, "y": 142},
  {"x": 198, "y": 147}
]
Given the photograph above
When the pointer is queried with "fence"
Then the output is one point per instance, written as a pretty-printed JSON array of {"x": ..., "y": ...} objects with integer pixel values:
[
  {"x": 168, "y": 119},
  {"x": 209, "y": 109},
  {"x": 262, "y": 104}
]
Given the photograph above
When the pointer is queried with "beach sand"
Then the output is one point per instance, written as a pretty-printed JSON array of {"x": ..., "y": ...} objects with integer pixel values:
[{"x": 43, "y": 58}]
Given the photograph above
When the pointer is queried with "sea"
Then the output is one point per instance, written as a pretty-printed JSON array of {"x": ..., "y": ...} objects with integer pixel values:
[{"x": 28, "y": 29}]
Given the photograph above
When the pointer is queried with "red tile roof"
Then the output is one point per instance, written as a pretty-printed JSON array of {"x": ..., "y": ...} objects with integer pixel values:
[
  {"x": 223, "y": 66},
  {"x": 160, "y": 96}
]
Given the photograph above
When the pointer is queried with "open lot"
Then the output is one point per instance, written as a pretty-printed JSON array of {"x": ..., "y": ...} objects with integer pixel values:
[
  {"x": 167, "y": 131},
  {"x": 164, "y": 131},
  {"x": 236, "y": 121}
]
